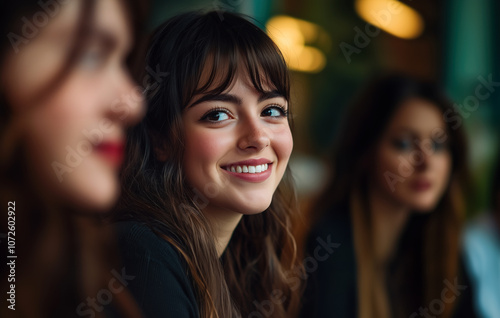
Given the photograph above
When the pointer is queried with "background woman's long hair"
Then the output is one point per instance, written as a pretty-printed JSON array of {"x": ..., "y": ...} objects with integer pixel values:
[
  {"x": 429, "y": 252},
  {"x": 154, "y": 186},
  {"x": 63, "y": 256}
]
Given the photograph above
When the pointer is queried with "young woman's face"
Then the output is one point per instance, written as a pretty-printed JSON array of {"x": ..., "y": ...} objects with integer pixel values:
[
  {"x": 73, "y": 137},
  {"x": 237, "y": 148},
  {"x": 413, "y": 161}
]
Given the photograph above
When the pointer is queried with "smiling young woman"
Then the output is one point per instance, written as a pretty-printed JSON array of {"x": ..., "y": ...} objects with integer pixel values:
[
  {"x": 237, "y": 144},
  {"x": 206, "y": 189}
]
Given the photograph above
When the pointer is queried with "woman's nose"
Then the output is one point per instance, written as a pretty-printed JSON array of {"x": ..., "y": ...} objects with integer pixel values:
[
  {"x": 253, "y": 136},
  {"x": 424, "y": 155},
  {"x": 128, "y": 106}
]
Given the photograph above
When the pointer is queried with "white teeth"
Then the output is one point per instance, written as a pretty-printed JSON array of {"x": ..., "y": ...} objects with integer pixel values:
[{"x": 249, "y": 169}]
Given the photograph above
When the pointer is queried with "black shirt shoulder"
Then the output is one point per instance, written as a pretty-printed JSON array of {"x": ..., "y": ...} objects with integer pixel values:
[
  {"x": 161, "y": 284},
  {"x": 331, "y": 286},
  {"x": 335, "y": 222}
]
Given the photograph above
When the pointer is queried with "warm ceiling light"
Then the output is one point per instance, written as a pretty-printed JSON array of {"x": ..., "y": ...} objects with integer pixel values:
[
  {"x": 391, "y": 16},
  {"x": 291, "y": 35},
  {"x": 310, "y": 59}
]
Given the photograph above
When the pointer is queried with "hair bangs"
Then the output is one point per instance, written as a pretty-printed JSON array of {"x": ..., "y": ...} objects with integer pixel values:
[{"x": 227, "y": 55}]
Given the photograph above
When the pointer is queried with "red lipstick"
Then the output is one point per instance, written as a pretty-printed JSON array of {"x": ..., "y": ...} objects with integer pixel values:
[
  {"x": 420, "y": 185},
  {"x": 112, "y": 151},
  {"x": 250, "y": 162}
]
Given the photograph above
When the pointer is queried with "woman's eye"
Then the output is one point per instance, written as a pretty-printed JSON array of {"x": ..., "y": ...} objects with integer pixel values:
[
  {"x": 274, "y": 111},
  {"x": 216, "y": 116},
  {"x": 402, "y": 144},
  {"x": 438, "y": 146},
  {"x": 91, "y": 60}
]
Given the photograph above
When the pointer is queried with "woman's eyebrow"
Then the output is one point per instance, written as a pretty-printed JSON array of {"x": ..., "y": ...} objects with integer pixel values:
[
  {"x": 218, "y": 97},
  {"x": 107, "y": 40},
  {"x": 235, "y": 99},
  {"x": 269, "y": 95},
  {"x": 405, "y": 132}
]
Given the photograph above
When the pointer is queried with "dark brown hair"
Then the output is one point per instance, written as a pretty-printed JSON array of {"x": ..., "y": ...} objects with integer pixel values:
[{"x": 154, "y": 187}]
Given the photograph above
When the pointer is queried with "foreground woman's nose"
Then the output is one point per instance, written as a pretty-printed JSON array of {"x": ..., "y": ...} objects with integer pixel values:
[{"x": 253, "y": 135}]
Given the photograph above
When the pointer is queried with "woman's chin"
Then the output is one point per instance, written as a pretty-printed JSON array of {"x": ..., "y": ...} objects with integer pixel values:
[
  {"x": 424, "y": 207},
  {"x": 253, "y": 209},
  {"x": 92, "y": 192}
]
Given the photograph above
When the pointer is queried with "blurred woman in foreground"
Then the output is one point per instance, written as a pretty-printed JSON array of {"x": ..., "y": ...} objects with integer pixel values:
[{"x": 66, "y": 99}]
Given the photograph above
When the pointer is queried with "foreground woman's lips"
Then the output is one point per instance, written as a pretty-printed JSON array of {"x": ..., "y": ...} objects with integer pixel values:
[
  {"x": 253, "y": 170},
  {"x": 248, "y": 169}
]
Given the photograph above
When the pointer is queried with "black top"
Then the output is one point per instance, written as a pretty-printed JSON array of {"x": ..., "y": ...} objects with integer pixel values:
[
  {"x": 161, "y": 286},
  {"x": 331, "y": 289}
]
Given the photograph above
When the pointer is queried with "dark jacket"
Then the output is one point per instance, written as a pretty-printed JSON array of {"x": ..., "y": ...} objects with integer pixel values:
[
  {"x": 331, "y": 289},
  {"x": 161, "y": 285}
]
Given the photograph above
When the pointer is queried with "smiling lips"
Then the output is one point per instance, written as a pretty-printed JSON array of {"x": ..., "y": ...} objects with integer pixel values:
[
  {"x": 253, "y": 170},
  {"x": 248, "y": 169}
]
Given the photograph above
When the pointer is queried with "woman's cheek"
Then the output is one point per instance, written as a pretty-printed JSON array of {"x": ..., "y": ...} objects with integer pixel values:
[
  {"x": 283, "y": 142},
  {"x": 206, "y": 145},
  {"x": 389, "y": 161},
  {"x": 443, "y": 168}
]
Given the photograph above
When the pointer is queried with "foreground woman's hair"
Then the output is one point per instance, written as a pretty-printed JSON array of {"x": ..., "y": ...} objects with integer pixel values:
[{"x": 155, "y": 192}]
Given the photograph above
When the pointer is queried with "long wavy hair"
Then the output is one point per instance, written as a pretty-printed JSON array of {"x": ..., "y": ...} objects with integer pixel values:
[
  {"x": 63, "y": 255},
  {"x": 429, "y": 249},
  {"x": 155, "y": 190}
]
